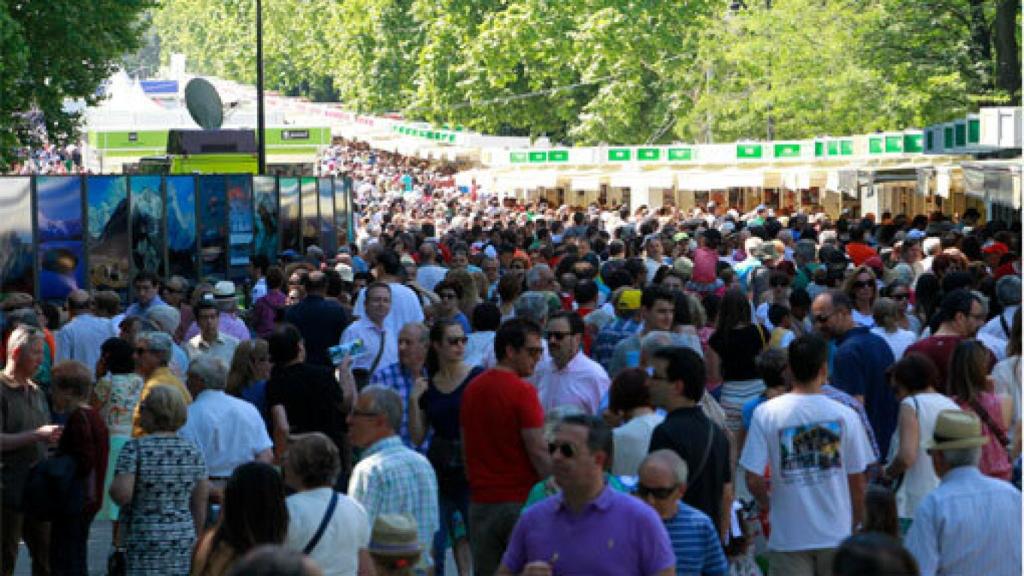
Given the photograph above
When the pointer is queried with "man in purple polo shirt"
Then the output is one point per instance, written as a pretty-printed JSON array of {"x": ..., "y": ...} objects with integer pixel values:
[{"x": 588, "y": 528}]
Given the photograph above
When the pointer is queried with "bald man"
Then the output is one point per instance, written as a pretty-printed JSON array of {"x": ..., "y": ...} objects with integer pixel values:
[{"x": 80, "y": 339}]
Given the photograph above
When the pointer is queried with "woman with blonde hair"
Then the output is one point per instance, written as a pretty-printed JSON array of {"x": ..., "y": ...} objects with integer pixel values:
[
  {"x": 250, "y": 370},
  {"x": 862, "y": 289},
  {"x": 163, "y": 477},
  {"x": 1007, "y": 377},
  {"x": 886, "y": 313}
]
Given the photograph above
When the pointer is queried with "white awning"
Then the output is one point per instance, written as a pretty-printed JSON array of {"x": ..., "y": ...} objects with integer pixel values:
[
  {"x": 719, "y": 180},
  {"x": 657, "y": 179},
  {"x": 585, "y": 182}
]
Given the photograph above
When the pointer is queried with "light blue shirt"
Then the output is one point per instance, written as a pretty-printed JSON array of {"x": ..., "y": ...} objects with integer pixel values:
[
  {"x": 970, "y": 524},
  {"x": 81, "y": 339}
]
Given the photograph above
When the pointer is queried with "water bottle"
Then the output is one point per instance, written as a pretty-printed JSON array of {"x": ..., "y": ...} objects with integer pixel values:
[{"x": 340, "y": 351}]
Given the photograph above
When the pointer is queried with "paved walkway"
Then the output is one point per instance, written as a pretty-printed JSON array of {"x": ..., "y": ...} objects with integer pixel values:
[{"x": 99, "y": 548}]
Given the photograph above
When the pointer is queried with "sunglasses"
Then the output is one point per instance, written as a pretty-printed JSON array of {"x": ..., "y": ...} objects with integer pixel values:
[
  {"x": 449, "y": 296},
  {"x": 900, "y": 296},
  {"x": 558, "y": 336},
  {"x": 863, "y": 284},
  {"x": 658, "y": 493},
  {"x": 457, "y": 340},
  {"x": 567, "y": 450},
  {"x": 141, "y": 351}
]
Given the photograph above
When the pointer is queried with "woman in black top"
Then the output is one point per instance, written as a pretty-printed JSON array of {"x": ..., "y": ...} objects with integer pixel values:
[
  {"x": 732, "y": 349},
  {"x": 439, "y": 400}
]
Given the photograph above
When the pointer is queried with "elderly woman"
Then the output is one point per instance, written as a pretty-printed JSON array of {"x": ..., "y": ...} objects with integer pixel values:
[
  {"x": 26, "y": 430},
  {"x": 312, "y": 465},
  {"x": 152, "y": 356},
  {"x": 886, "y": 313},
  {"x": 862, "y": 289},
  {"x": 85, "y": 439},
  {"x": 163, "y": 478}
]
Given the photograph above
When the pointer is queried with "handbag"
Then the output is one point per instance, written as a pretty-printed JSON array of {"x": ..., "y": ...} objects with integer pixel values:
[{"x": 117, "y": 561}]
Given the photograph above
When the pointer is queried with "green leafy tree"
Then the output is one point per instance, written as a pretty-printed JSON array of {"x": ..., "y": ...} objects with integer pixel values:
[{"x": 50, "y": 51}]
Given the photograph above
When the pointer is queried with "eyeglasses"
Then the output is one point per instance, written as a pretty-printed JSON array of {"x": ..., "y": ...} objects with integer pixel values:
[
  {"x": 558, "y": 336},
  {"x": 863, "y": 284},
  {"x": 457, "y": 340},
  {"x": 822, "y": 318},
  {"x": 567, "y": 450},
  {"x": 658, "y": 493}
]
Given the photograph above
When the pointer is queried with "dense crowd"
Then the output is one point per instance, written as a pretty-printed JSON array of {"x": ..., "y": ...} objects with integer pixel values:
[
  {"x": 50, "y": 160},
  {"x": 530, "y": 389}
]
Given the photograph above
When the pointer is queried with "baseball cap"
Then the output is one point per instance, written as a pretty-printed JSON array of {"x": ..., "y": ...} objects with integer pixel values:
[
  {"x": 630, "y": 299},
  {"x": 995, "y": 248}
]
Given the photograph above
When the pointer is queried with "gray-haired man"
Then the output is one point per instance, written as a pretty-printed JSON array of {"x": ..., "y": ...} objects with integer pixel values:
[
  {"x": 227, "y": 430},
  {"x": 391, "y": 478}
]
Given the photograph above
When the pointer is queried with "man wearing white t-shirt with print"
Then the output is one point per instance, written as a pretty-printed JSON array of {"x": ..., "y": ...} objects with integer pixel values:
[
  {"x": 817, "y": 451},
  {"x": 405, "y": 304}
]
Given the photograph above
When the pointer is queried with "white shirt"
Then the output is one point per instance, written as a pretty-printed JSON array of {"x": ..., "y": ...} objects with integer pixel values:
[
  {"x": 811, "y": 443},
  {"x": 862, "y": 319},
  {"x": 430, "y": 275},
  {"x": 228, "y": 431},
  {"x": 480, "y": 350},
  {"x": 898, "y": 341},
  {"x": 223, "y": 347},
  {"x": 970, "y": 524},
  {"x": 581, "y": 383},
  {"x": 1007, "y": 375},
  {"x": 992, "y": 334},
  {"x": 631, "y": 441},
  {"x": 347, "y": 533},
  {"x": 405, "y": 308},
  {"x": 364, "y": 329},
  {"x": 920, "y": 479},
  {"x": 81, "y": 339}
]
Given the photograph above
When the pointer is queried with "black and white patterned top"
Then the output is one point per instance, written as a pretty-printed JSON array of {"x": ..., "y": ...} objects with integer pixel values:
[{"x": 160, "y": 529}]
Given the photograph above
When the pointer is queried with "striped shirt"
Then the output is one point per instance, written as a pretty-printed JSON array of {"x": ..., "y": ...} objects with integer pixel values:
[
  {"x": 392, "y": 479},
  {"x": 695, "y": 543}
]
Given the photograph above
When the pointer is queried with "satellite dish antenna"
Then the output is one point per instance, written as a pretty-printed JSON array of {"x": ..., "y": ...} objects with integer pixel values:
[{"x": 204, "y": 104}]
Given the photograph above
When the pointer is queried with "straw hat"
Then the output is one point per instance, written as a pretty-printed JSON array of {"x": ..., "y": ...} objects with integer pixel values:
[
  {"x": 224, "y": 289},
  {"x": 956, "y": 430},
  {"x": 394, "y": 535}
]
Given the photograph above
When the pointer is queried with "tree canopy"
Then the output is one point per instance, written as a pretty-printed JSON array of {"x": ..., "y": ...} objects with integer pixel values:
[{"x": 50, "y": 51}]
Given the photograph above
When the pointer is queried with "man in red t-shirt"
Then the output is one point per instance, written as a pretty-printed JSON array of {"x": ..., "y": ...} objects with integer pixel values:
[
  {"x": 502, "y": 433},
  {"x": 962, "y": 316}
]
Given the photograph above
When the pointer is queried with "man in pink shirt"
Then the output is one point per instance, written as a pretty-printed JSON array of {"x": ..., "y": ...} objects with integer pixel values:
[{"x": 704, "y": 279}]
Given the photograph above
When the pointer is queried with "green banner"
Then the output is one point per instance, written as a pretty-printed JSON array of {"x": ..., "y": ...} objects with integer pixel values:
[
  {"x": 680, "y": 154},
  {"x": 558, "y": 156},
  {"x": 787, "y": 150},
  {"x": 749, "y": 151},
  {"x": 648, "y": 154},
  {"x": 619, "y": 154}
]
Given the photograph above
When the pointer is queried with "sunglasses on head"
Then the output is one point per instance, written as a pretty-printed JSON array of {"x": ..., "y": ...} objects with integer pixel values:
[
  {"x": 658, "y": 493},
  {"x": 567, "y": 450}
]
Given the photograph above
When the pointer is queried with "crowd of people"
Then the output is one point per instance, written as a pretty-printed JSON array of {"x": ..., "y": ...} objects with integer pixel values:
[
  {"x": 529, "y": 389},
  {"x": 50, "y": 160}
]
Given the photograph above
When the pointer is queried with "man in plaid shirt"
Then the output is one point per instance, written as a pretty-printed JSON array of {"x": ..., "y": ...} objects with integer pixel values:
[
  {"x": 402, "y": 375},
  {"x": 391, "y": 478}
]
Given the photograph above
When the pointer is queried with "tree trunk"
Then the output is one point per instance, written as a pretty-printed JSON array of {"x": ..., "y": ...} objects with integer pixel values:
[
  {"x": 980, "y": 47},
  {"x": 1007, "y": 55}
]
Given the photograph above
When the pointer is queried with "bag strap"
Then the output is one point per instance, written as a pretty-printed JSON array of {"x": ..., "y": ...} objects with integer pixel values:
[
  {"x": 707, "y": 449},
  {"x": 380, "y": 351},
  {"x": 1002, "y": 322},
  {"x": 986, "y": 419},
  {"x": 323, "y": 524},
  {"x": 760, "y": 332}
]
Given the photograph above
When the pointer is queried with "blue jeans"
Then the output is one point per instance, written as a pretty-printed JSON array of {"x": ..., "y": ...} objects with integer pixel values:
[{"x": 447, "y": 507}]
